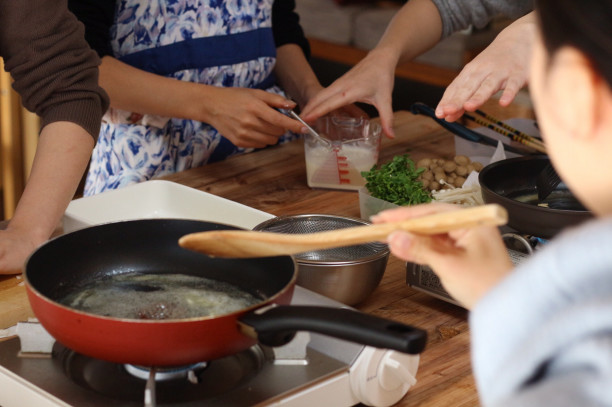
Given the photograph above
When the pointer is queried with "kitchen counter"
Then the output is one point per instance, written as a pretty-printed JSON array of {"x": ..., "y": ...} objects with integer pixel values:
[{"x": 274, "y": 180}]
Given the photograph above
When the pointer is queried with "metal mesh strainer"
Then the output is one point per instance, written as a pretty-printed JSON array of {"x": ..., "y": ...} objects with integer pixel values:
[{"x": 320, "y": 223}]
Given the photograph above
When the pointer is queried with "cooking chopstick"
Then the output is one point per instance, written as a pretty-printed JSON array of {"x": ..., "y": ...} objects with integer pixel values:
[
  {"x": 510, "y": 128},
  {"x": 513, "y": 134}
]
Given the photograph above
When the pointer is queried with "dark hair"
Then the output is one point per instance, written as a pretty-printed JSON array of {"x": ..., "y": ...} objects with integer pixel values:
[{"x": 584, "y": 24}]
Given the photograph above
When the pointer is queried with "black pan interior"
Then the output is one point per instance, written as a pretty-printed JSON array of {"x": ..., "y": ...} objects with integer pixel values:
[
  {"x": 146, "y": 246},
  {"x": 512, "y": 184},
  {"x": 516, "y": 179}
]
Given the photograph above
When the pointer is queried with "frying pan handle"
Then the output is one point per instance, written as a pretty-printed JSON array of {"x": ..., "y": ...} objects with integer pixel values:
[{"x": 276, "y": 326}]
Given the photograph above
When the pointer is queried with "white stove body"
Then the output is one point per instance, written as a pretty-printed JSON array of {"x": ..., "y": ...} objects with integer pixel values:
[{"x": 374, "y": 377}]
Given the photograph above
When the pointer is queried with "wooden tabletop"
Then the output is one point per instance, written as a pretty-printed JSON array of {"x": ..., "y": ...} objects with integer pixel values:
[{"x": 274, "y": 180}]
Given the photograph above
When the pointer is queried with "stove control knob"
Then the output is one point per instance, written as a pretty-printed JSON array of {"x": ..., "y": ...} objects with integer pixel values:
[
  {"x": 396, "y": 370},
  {"x": 381, "y": 377}
]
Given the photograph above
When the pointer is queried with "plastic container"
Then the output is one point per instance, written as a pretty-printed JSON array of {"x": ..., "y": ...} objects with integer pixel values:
[
  {"x": 369, "y": 205},
  {"x": 355, "y": 144}
]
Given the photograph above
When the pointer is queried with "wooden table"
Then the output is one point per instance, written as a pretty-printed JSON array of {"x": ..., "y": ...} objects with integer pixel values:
[{"x": 274, "y": 180}]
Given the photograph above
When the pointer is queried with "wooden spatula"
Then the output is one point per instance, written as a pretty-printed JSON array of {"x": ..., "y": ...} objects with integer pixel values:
[{"x": 246, "y": 243}]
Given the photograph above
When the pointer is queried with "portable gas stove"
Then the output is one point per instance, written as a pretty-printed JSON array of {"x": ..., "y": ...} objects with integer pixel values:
[{"x": 311, "y": 370}]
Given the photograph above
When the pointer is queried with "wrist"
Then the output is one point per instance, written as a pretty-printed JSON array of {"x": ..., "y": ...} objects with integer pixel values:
[
  {"x": 387, "y": 56},
  {"x": 36, "y": 234},
  {"x": 197, "y": 103},
  {"x": 307, "y": 92}
]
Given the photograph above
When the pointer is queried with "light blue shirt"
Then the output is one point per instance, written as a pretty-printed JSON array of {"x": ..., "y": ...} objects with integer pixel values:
[{"x": 543, "y": 337}]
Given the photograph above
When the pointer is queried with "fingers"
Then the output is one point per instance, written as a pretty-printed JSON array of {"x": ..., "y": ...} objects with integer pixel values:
[
  {"x": 466, "y": 99},
  {"x": 386, "y": 122},
  {"x": 451, "y": 117},
  {"x": 275, "y": 100},
  {"x": 422, "y": 249},
  {"x": 353, "y": 110},
  {"x": 513, "y": 86},
  {"x": 327, "y": 100},
  {"x": 457, "y": 102},
  {"x": 487, "y": 88},
  {"x": 252, "y": 138},
  {"x": 283, "y": 123},
  {"x": 413, "y": 211},
  {"x": 383, "y": 104},
  {"x": 450, "y": 106},
  {"x": 464, "y": 87},
  {"x": 266, "y": 119}
]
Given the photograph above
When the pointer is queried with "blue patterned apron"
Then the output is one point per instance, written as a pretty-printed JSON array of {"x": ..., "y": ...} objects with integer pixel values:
[{"x": 215, "y": 42}]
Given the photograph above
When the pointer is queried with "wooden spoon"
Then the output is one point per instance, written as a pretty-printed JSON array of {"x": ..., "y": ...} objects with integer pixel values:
[{"x": 248, "y": 243}]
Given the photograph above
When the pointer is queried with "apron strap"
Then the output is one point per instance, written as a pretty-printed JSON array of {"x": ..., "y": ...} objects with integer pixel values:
[{"x": 205, "y": 52}]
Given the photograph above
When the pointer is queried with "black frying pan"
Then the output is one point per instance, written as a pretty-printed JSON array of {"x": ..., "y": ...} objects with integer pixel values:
[{"x": 512, "y": 184}]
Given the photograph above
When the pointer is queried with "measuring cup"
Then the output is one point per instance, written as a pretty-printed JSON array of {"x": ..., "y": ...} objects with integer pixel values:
[{"x": 355, "y": 144}]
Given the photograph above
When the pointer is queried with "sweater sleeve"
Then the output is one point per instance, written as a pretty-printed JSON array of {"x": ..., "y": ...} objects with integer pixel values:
[
  {"x": 459, "y": 15},
  {"x": 54, "y": 70},
  {"x": 286, "y": 26}
]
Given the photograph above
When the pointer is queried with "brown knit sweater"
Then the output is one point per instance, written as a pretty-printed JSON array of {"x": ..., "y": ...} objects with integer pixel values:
[{"x": 55, "y": 72}]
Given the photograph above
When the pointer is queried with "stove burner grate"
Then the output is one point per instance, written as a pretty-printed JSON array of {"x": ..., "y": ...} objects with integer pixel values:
[
  {"x": 120, "y": 382},
  {"x": 190, "y": 372}
]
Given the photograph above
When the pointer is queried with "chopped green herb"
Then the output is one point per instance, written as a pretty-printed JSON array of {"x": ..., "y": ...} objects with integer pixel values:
[{"x": 396, "y": 182}]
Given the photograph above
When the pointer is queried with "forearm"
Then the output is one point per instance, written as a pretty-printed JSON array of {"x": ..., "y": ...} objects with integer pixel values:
[
  {"x": 61, "y": 158},
  {"x": 247, "y": 117},
  {"x": 143, "y": 92},
  {"x": 414, "y": 29},
  {"x": 295, "y": 75},
  {"x": 522, "y": 29}
]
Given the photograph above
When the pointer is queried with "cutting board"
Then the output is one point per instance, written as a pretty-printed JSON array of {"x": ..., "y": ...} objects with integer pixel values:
[{"x": 14, "y": 305}]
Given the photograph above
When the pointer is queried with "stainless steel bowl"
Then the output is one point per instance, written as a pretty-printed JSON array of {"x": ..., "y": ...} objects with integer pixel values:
[{"x": 346, "y": 274}]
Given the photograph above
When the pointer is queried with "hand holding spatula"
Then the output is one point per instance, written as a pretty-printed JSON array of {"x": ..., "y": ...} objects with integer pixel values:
[{"x": 246, "y": 243}]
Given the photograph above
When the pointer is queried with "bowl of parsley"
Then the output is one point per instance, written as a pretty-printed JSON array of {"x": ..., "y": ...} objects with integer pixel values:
[{"x": 391, "y": 185}]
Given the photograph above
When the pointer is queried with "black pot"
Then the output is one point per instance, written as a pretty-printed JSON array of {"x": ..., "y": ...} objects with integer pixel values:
[{"x": 512, "y": 184}]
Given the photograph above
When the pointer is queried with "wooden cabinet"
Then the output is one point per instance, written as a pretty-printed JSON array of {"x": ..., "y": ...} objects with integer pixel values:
[{"x": 19, "y": 136}]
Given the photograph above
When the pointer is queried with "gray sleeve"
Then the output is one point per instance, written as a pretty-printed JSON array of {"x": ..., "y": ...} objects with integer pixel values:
[{"x": 460, "y": 14}]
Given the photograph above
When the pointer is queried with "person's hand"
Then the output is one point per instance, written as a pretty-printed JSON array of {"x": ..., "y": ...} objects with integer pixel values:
[
  {"x": 249, "y": 117},
  {"x": 469, "y": 262},
  {"x": 503, "y": 65},
  {"x": 62, "y": 155},
  {"x": 370, "y": 81},
  {"x": 15, "y": 248}
]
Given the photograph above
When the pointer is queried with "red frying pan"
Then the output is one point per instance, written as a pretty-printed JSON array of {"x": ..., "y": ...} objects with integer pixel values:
[{"x": 150, "y": 246}]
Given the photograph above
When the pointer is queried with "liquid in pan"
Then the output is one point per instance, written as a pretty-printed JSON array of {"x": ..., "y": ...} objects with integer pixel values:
[{"x": 158, "y": 296}]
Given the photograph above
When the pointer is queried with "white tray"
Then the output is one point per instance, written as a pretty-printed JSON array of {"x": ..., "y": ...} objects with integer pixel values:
[{"x": 159, "y": 199}]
